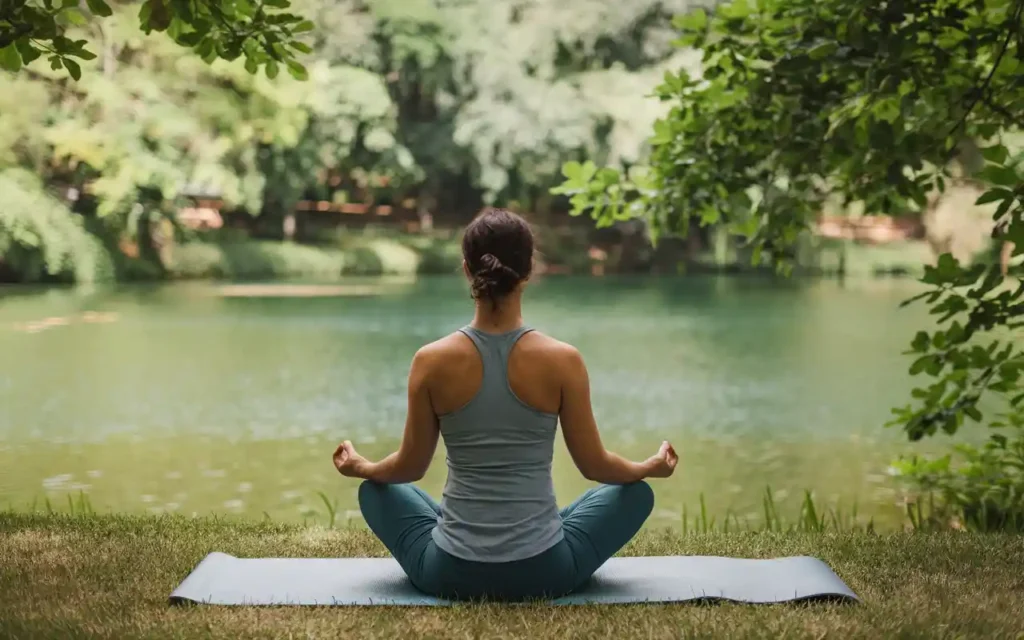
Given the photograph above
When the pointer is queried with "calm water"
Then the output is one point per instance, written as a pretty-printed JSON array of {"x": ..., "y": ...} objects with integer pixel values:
[{"x": 198, "y": 399}]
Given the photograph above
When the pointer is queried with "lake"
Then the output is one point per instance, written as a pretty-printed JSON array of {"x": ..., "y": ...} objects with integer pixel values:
[{"x": 199, "y": 398}]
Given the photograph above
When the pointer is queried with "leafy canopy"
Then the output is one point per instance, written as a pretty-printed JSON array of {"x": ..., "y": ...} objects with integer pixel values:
[
  {"x": 874, "y": 103},
  {"x": 262, "y": 31}
]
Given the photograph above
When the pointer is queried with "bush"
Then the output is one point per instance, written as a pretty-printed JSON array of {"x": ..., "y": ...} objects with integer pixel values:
[
  {"x": 984, "y": 491},
  {"x": 196, "y": 260},
  {"x": 440, "y": 256},
  {"x": 41, "y": 239},
  {"x": 254, "y": 260},
  {"x": 362, "y": 261}
]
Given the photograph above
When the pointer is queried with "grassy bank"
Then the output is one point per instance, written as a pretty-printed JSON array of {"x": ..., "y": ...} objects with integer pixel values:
[
  {"x": 109, "y": 576},
  {"x": 362, "y": 255}
]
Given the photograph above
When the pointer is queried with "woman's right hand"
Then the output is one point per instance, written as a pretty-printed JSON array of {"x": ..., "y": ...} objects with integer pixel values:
[
  {"x": 348, "y": 462},
  {"x": 663, "y": 463}
]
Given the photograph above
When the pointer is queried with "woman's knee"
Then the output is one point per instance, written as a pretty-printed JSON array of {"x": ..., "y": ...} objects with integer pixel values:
[
  {"x": 371, "y": 495},
  {"x": 638, "y": 498}
]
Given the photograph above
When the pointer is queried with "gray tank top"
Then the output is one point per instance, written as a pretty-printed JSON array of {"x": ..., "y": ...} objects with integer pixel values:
[{"x": 499, "y": 501}]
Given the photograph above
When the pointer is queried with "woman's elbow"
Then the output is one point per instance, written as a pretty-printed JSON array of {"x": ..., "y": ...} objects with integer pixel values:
[
  {"x": 593, "y": 473},
  {"x": 415, "y": 471}
]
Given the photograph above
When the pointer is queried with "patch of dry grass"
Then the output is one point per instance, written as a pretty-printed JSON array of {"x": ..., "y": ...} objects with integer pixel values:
[{"x": 109, "y": 576}]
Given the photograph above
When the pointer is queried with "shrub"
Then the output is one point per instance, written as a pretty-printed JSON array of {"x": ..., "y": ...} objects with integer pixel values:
[
  {"x": 982, "y": 491},
  {"x": 253, "y": 260},
  {"x": 41, "y": 239}
]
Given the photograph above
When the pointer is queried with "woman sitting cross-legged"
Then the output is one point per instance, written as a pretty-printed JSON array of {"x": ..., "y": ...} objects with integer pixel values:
[{"x": 496, "y": 391}]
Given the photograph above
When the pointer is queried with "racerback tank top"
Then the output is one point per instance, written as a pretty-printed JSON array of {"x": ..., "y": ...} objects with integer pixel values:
[{"x": 499, "y": 500}]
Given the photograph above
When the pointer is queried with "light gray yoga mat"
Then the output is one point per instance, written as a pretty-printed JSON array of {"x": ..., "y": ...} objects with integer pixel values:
[{"x": 226, "y": 580}]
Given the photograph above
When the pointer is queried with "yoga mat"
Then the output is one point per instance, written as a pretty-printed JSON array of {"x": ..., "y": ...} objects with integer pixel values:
[{"x": 225, "y": 580}]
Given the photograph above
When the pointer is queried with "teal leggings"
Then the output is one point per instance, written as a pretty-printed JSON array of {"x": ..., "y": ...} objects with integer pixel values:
[{"x": 597, "y": 525}]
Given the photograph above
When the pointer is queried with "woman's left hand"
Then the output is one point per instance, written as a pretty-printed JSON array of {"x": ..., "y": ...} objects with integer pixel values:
[{"x": 348, "y": 462}]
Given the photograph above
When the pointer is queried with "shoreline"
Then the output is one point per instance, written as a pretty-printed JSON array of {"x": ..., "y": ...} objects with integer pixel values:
[{"x": 390, "y": 254}]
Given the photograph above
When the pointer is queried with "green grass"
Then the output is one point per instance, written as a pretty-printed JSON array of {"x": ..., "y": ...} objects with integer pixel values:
[{"x": 109, "y": 576}]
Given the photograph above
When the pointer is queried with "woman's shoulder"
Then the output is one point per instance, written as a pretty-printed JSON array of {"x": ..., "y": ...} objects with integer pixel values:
[
  {"x": 457, "y": 346},
  {"x": 542, "y": 346},
  {"x": 454, "y": 344}
]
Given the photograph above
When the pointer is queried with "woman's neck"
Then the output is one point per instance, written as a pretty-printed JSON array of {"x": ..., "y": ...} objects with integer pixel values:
[{"x": 506, "y": 316}]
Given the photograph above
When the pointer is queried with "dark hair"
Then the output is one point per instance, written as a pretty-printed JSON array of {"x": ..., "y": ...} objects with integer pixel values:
[{"x": 498, "y": 249}]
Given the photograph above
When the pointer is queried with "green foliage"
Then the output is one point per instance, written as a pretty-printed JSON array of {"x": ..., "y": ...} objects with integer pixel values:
[
  {"x": 800, "y": 100},
  {"x": 254, "y": 261},
  {"x": 40, "y": 239},
  {"x": 505, "y": 117},
  {"x": 969, "y": 304},
  {"x": 262, "y": 31},
  {"x": 880, "y": 104},
  {"x": 401, "y": 100},
  {"x": 983, "y": 491},
  {"x": 360, "y": 254}
]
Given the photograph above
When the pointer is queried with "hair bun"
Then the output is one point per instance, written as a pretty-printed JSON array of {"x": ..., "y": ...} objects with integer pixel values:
[
  {"x": 494, "y": 233},
  {"x": 491, "y": 263},
  {"x": 493, "y": 279}
]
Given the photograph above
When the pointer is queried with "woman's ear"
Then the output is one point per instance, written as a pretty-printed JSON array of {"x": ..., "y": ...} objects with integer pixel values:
[{"x": 465, "y": 270}]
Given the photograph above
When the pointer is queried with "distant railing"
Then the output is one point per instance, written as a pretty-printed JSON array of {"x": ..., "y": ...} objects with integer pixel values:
[
  {"x": 869, "y": 229},
  {"x": 206, "y": 214}
]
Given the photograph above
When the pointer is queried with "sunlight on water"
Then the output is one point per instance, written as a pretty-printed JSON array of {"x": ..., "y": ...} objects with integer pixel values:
[{"x": 180, "y": 399}]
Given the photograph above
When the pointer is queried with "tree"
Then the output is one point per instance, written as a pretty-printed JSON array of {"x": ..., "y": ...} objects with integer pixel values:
[
  {"x": 877, "y": 103},
  {"x": 262, "y": 31},
  {"x": 410, "y": 100},
  {"x": 150, "y": 121}
]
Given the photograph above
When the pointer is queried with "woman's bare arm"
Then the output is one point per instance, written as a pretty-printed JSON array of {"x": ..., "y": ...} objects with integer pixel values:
[
  {"x": 419, "y": 441},
  {"x": 584, "y": 442}
]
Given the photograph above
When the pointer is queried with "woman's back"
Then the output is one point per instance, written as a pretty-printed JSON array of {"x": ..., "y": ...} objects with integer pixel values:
[
  {"x": 498, "y": 419},
  {"x": 496, "y": 392}
]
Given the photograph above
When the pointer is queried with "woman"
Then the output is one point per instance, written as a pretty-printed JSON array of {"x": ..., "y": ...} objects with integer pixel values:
[{"x": 495, "y": 391}]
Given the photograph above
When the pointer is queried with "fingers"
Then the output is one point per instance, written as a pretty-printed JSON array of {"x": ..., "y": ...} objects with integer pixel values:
[{"x": 345, "y": 446}]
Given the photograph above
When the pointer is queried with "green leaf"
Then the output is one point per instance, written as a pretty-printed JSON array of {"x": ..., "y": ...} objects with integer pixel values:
[
  {"x": 99, "y": 8},
  {"x": 692, "y": 21},
  {"x": 271, "y": 69},
  {"x": 189, "y": 39},
  {"x": 278, "y": 4},
  {"x": 923, "y": 363},
  {"x": 607, "y": 177},
  {"x": 73, "y": 69},
  {"x": 921, "y": 342},
  {"x": 572, "y": 170},
  {"x": 300, "y": 46},
  {"x": 822, "y": 50},
  {"x": 56, "y": 63},
  {"x": 145, "y": 13},
  {"x": 995, "y": 154},
  {"x": 10, "y": 58},
  {"x": 251, "y": 65},
  {"x": 245, "y": 8},
  {"x": 948, "y": 266},
  {"x": 887, "y": 110},
  {"x": 74, "y": 16},
  {"x": 304, "y": 26},
  {"x": 28, "y": 51},
  {"x": 158, "y": 17},
  {"x": 1000, "y": 175},
  {"x": 297, "y": 70},
  {"x": 993, "y": 195}
]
